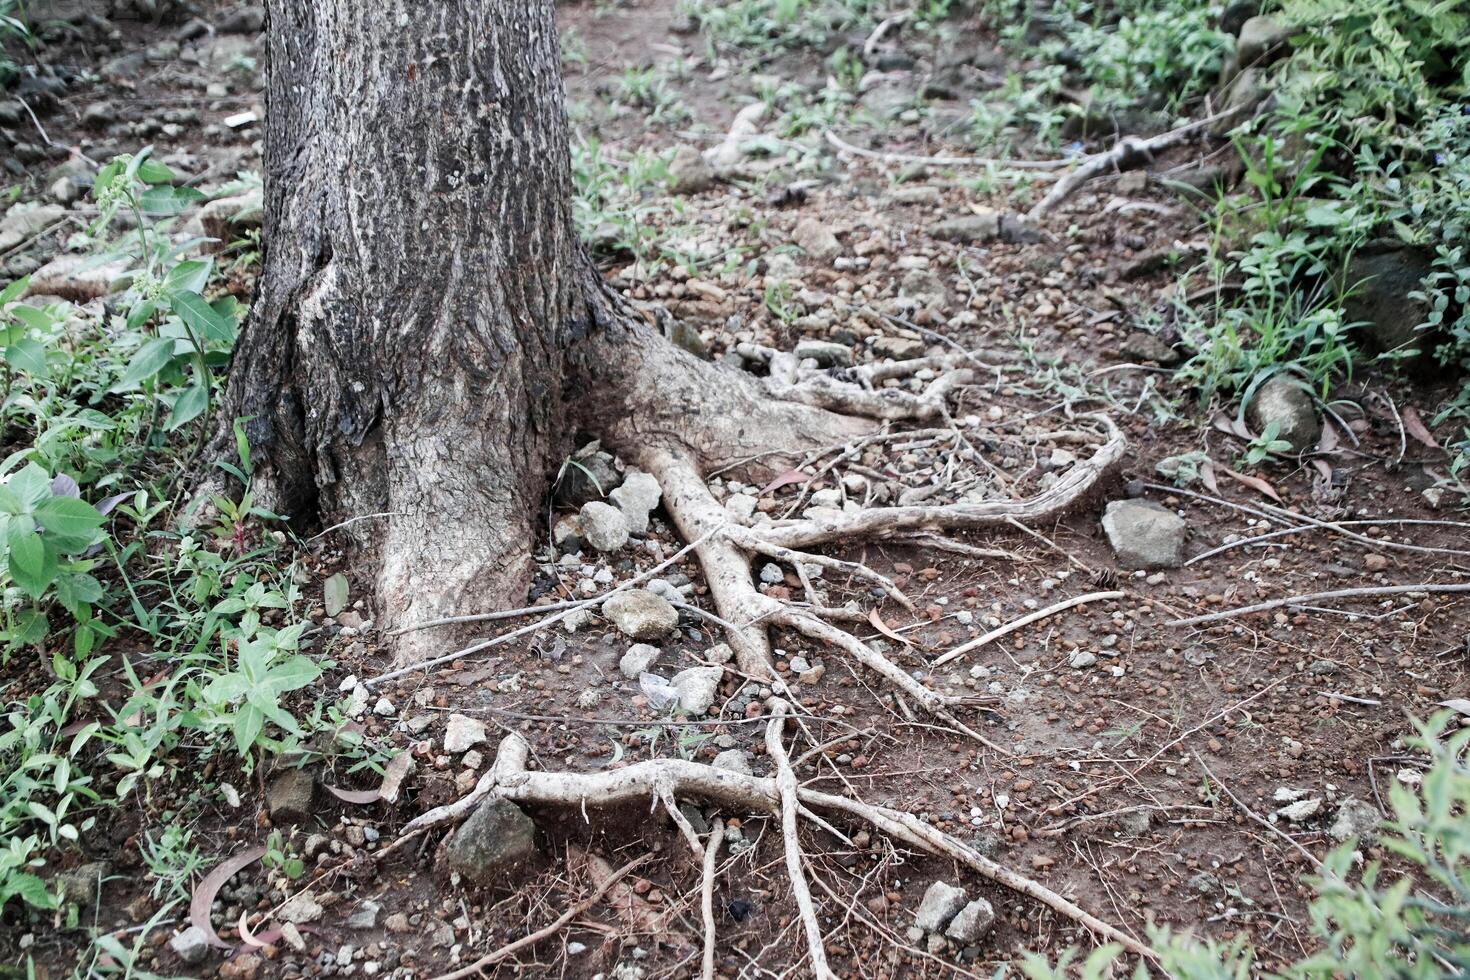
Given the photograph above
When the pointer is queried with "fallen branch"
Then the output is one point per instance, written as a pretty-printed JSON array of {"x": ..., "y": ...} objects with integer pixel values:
[
  {"x": 838, "y": 143},
  {"x": 510, "y": 949},
  {"x": 1128, "y": 152},
  {"x": 1026, "y": 620},
  {"x": 1297, "y": 600}
]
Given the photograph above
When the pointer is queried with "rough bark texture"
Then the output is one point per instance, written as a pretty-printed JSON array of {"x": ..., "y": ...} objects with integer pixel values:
[
  {"x": 428, "y": 332},
  {"x": 422, "y": 282}
]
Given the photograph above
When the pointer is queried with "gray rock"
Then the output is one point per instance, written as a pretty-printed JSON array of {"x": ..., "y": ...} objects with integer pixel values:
[
  {"x": 971, "y": 228},
  {"x": 641, "y": 615},
  {"x": 291, "y": 796},
  {"x": 301, "y": 909},
  {"x": 366, "y": 916},
  {"x": 1082, "y": 659},
  {"x": 734, "y": 760},
  {"x": 816, "y": 239},
  {"x": 689, "y": 172},
  {"x": 636, "y": 498},
  {"x": 824, "y": 352},
  {"x": 1246, "y": 91},
  {"x": 1262, "y": 41},
  {"x": 227, "y": 218},
  {"x": 80, "y": 885},
  {"x": 1285, "y": 403},
  {"x": 1139, "y": 346},
  {"x": 496, "y": 841},
  {"x": 604, "y": 526},
  {"x": 462, "y": 733},
  {"x": 1356, "y": 818},
  {"x": 1236, "y": 14},
  {"x": 1144, "y": 534},
  {"x": 771, "y": 574},
  {"x": 24, "y": 220},
  {"x": 191, "y": 945},
  {"x": 1382, "y": 278},
  {"x": 639, "y": 658},
  {"x": 697, "y": 687},
  {"x": 587, "y": 478},
  {"x": 942, "y": 902},
  {"x": 98, "y": 114},
  {"x": 972, "y": 924},
  {"x": 242, "y": 20}
]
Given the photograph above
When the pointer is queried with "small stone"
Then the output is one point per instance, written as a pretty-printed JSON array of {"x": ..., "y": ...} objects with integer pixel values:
[
  {"x": 825, "y": 353},
  {"x": 972, "y": 924},
  {"x": 604, "y": 526},
  {"x": 462, "y": 733},
  {"x": 366, "y": 916},
  {"x": 246, "y": 966},
  {"x": 496, "y": 841},
  {"x": 771, "y": 574},
  {"x": 639, "y": 658},
  {"x": 637, "y": 497},
  {"x": 689, "y": 172},
  {"x": 397, "y": 923},
  {"x": 1262, "y": 40},
  {"x": 816, "y": 239},
  {"x": 734, "y": 760},
  {"x": 941, "y": 903},
  {"x": 291, "y": 795},
  {"x": 969, "y": 229},
  {"x": 1356, "y": 818},
  {"x": 1081, "y": 659},
  {"x": 697, "y": 687},
  {"x": 1288, "y": 407},
  {"x": 1300, "y": 810},
  {"x": 1374, "y": 563},
  {"x": 1144, "y": 534},
  {"x": 640, "y": 615},
  {"x": 191, "y": 945},
  {"x": 300, "y": 909}
]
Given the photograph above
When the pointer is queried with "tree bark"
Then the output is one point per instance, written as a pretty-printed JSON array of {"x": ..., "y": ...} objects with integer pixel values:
[
  {"x": 427, "y": 332},
  {"x": 422, "y": 282}
]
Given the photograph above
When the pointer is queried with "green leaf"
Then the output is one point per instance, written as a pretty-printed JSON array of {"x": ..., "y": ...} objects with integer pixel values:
[
  {"x": 188, "y": 407},
  {"x": 31, "y": 566},
  {"x": 334, "y": 594},
  {"x": 70, "y": 524},
  {"x": 13, "y": 292},
  {"x": 151, "y": 358},
  {"x": 28, "y": 888},
  {"x": 150, "y": 171},
  {"x": 189, "y": 277},
  {"x": 29, "y": 356},
  {"x": 289, "y": 675},
  {"x": 206, "y": 321},
  {"x": 248, "y": 722},
  {"x": 32, "y": 484},
  {"x": 164, "y": 200}
]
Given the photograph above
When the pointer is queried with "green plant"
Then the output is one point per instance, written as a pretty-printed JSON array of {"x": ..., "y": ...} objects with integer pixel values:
[
  {"x": 281, "y": 857},
  {"x": 1266, "y": 444}
]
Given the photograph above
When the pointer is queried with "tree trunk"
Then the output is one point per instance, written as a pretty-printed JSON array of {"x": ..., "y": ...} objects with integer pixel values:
[
  {"x": 428, "y": 331},
  {"x": 422, "y": 282}
]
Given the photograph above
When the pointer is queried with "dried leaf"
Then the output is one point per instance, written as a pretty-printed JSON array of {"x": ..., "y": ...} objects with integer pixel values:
[
  {"x": 882, "y": 627},
  {"x": 1254, "y": 482},
  {"x": 1231, "y": 425},
  {"x": 393, "y": 774},
  {"x": 204, "y": 895},
  {"x": 1415, "y": 427},
  {"x": 1207, "y": 476},
  {"x": 334, "y": 594},
  {"x": 785, "y": 479},
  {"x": 1329, "y": 441},
  {"x": 1462, "y": 705}
]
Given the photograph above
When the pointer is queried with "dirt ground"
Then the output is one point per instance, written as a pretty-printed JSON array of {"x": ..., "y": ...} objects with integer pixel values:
[{"x": 1124, "y": 737}]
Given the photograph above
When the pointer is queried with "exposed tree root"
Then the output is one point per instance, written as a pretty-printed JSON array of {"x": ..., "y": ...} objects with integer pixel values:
[{"x": 509, "y": 779}]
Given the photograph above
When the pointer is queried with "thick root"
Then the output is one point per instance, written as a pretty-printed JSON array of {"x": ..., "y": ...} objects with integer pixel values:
[{"x": 509, "y": 779}]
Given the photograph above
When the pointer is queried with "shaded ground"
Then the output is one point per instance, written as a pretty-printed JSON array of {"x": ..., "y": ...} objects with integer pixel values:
[{"x": 1104, "y": 796}]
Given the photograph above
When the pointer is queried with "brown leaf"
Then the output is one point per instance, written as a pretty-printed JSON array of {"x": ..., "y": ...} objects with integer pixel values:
[
  {"x": 785, "y": 479},
  {"x": 1254, "y": 482},
  {"x": 204, "y": 895},
  {"x": 1461, "y": 705},
  {"x": 1415, "y": 427},
  {"x": 882, "y": 627},
  {"x": 1328, "y": 442},
  {"x": 393, "y": 774},
  {"x": 1230, "y": 425},
  {"x": 1207, "y": 476}
]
